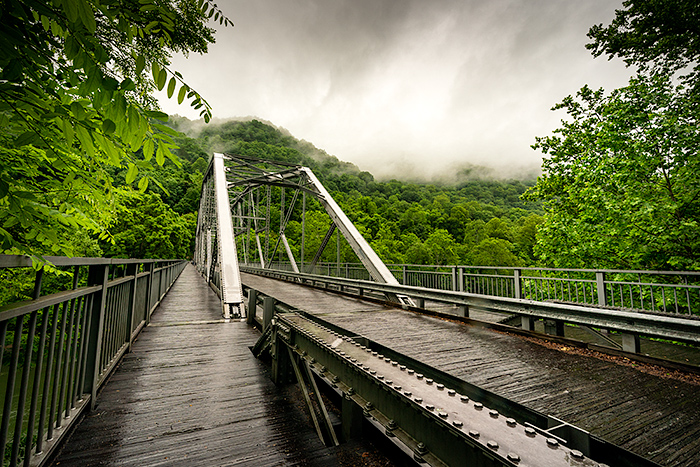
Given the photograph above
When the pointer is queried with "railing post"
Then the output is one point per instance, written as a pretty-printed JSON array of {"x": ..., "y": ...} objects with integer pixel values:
[
  {"x": 149, "y": 291},
  {"x": 403, "y": 274},
  {"x": 517, "y": 283},
  {"x": 460, "y": 278},
  {"x": 268, "y": 311},
  {"x": 132, "y": 269},
  {"x": 252, "y": 306},
  {"x": 97, "y": 275},
  {"x": 600, "y": 286},
  {"x": 454, "y": 278}
]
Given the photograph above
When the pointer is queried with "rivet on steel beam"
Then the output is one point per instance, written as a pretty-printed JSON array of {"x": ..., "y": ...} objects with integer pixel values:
[
  {"x": 530, "y": 432},
  {"x": 578, "y": 455},
  {"x": 387, "y": 359},
  {"x": 304, "y": 353},
  {"x": 474, "y": 434},
  {"x": 380, "y": 356},
  {"x": 418, "y": 399},
  {"x": 380, "y": 376},
  {"x": 511, "y": 422},
  {"x": 335, "y": 379},
  {"x": 493, "y": 413},
  {"x": 410, "y": 372},
  {"x": 363, "y": 347},
  {"x": 342, "y": 353},
  {"x": 464, "y": 399},
  {"x": 365, "y": 367},
  {"x": 322, "y": 369},
  {"x": 478, "y": 405},
  {"x": 350, "y": 392},
  {"x": 397, "y": 387},
  {"x": 457, "y": 423},
  {"x": 369, "y": 406},
  {"x": 407, "y": 393},
  {"x": 393, "y": 363},
  {"x": 441, "y": 387},
  {"x": 429, "y": 381},
  {"x": 312, "y": 361},
  {"x": 451, "y": 392},
  {"x": 390, "y": 427},
  {"x": 552, "y": 443},
  {"x": 389, "y": 382},
  {"x": 372, "y": 372},
  {"x": 430, "y": 406},
  {"x": 402, "y": 368},
  {"x": 419, "y": 375},
  {"x": 513, "y": 457},
  {"x": 374, "y": 354},
  {"x": 354, "y": 360},
  {"x": 420, "y": 451},
  {"x": 443, "y": 414},
  {"x": 493, "y": 445},
  {"x": 357, "y": 344}
]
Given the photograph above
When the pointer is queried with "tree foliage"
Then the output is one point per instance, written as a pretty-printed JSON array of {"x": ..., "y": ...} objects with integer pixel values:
[
  {"x": 75, "y": 101},
  {"x": 620, "y": 177}
]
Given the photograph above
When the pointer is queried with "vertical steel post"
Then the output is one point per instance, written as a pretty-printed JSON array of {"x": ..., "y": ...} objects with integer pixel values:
[
  {"x": 303, "y": 228},
  {"x": 600, "y": 286},
  {"x": 252, "y": 306},
  {"x": 517, "y": 284},
  {"x": 268, "y": 312},
  {"x": 131, "y": 269}
]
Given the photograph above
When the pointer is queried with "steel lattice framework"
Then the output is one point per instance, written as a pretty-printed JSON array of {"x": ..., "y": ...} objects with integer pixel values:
[{"x": 236, "y": 208}]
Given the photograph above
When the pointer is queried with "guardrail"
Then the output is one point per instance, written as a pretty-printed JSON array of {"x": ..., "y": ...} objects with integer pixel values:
[
  {"x": 658, "y": 291},
  {"x": 58, "y": 349},
  {"x": 631, "y": 324}
]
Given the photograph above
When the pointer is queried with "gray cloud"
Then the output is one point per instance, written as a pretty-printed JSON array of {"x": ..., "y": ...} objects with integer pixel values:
[{"x": 399, "y": 85}]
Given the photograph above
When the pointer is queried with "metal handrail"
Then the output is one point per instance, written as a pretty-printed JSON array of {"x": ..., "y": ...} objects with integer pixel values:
[
  {"x": 672, "y": 292},
  {"x": 674, "y": 327},
  {"x": 64, "y": 345}
]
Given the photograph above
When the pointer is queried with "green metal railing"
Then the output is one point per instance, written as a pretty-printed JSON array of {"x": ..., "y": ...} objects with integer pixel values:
[{"x": 58, "y": 349}]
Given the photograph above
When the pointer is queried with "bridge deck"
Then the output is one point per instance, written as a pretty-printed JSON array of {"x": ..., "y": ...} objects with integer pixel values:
[
  {"x": 191, "y": 393},
  {"x": 653, "y": 415}
]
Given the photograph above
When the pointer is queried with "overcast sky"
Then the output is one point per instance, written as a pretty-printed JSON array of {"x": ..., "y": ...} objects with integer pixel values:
[{"x": 403, "y": 87}]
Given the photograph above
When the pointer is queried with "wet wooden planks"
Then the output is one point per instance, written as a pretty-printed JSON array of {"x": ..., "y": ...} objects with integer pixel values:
[
  {"x": 652, "y": 416},
  {"x": 193, "y": 394}
]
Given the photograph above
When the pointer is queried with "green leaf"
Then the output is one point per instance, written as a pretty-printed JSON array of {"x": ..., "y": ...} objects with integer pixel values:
[
  {"x": 85, "y": 140},
  {"x": 140, "y": 64},
  {"x": 70, "y": 7},
  {"x": 148, "y": 148},
  {"x": 156, "y": 114},
  {"x": 131, "y": 174},
  {"x": 143, "y": 184},
  {"x": 171, "y": 87},
  {"x": 181, "y": 94},
  {"x": 108, "y": 126},
  {"x": 68, "y": 131},
  {"x": 87, "y": 16},
  {"x": 78, "y": 110},
  {"x": 162, "y": 77},
  {"x": 28, "y": 137},
  {"x": 160, "y": 154},
  {"x": 127, "y": 85}
]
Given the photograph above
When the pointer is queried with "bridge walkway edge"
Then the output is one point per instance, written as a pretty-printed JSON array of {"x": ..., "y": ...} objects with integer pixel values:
[{"x": 192, "y": 393}]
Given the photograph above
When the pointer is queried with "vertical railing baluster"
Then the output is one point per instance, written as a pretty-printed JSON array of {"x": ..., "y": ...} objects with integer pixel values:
[
  {"x": 55, "y": 410},
  {"x": 10, "y": 389},
  {"x": 43, "y": 412},
  {"x": 26, "y": 370},
  {"x": 45, "y": 315}
]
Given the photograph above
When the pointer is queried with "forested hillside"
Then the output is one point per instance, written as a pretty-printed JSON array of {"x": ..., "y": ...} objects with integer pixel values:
[{"x": 474, "y": 222}]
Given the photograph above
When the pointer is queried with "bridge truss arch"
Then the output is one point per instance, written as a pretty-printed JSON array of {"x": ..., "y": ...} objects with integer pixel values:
[{"x": 240, "y": 196}]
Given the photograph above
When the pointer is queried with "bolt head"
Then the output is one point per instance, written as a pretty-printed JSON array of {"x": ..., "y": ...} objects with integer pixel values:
[
  {"x": 493, "y": 445},
  {"x": 513, "y": 457}
]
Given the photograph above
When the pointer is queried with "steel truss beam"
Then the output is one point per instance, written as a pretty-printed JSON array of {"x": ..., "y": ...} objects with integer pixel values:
[
  {"x": 246, "y": 176},
  {"x": 215, "y": 249},
  {"x": 438, "y": 419}
]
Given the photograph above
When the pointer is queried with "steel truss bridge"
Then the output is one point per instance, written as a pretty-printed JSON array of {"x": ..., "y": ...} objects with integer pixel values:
[{"x": 404, "y": 352}]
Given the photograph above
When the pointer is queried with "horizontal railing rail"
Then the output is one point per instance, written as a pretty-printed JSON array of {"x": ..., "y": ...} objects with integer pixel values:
[
  {"x": 670, "y": 292},
  {"x": 58, "y": 349},
  {"x": 681, "y": 328}
]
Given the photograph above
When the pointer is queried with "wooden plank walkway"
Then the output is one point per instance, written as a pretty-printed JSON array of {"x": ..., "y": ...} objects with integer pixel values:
[
  {"x": 654, "y": 416},
  {"x": 192, "y": 394}
]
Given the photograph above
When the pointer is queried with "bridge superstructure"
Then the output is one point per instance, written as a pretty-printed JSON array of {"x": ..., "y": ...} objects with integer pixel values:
[{"x": 235, "y": 214}]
